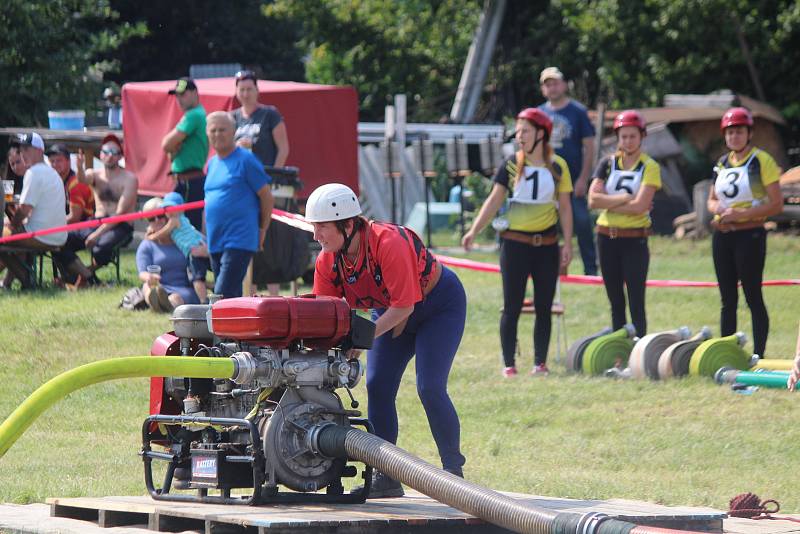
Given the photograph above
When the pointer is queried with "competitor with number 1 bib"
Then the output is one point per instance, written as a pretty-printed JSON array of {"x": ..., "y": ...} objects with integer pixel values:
[
  {"x": 744, "y": 194},
  {"x": 623, "y": 188},
  {"x": 539, "y": 184}
]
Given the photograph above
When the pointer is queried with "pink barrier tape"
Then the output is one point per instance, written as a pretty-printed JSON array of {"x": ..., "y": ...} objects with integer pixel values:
[
  {"x": 105, "y": 220},
  {"x": 298, "y": 221},
  {"x": 597, "y": 280},
  {"x": 289, "y": 218}
]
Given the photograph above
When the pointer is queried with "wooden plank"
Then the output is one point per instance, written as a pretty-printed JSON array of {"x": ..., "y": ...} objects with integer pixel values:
[
  {"x": 72, "y": 512},
  {"x": 414, "y": 511},
  {"x": 113, "y": 518},
  {"x": 739, "y": 525}
]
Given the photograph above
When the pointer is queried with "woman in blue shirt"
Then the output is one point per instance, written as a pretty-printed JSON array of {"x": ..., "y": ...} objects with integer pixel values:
[{"x": 171, "y": 287}]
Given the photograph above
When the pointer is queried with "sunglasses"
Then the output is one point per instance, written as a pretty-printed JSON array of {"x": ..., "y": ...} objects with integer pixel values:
[
  {"x": 154, "y": 219},
  {"x": 111, "y": 151},
  {"x": 246, "y": 75}
]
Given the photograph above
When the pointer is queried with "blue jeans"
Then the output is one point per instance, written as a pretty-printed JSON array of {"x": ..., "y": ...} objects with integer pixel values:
[
  {"x": 582, "y": 226},
  {"x": 229, "y": 268},
  {"x": 433, "y": 333}
]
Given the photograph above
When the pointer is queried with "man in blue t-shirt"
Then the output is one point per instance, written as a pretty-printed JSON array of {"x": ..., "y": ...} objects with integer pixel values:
[
  {"x": 238, "y": 206},
  {"x": 573, "y": 140}
]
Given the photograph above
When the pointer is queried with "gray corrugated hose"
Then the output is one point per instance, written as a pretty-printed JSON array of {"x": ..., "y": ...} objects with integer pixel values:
[{"x": 337, "y": 441}]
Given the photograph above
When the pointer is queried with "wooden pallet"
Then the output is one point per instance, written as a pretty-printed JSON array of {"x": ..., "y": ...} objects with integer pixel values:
[{"x": 414, "y": 513}]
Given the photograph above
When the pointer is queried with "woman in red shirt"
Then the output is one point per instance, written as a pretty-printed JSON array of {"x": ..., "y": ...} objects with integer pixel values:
[{"x": 418, "y": 305}]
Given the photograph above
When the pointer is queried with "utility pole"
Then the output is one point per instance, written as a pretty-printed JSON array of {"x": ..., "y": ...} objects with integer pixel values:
[{"x": 476, "y": 66}]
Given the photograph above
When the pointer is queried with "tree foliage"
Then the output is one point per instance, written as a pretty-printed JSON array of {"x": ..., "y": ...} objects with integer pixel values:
[
  {"x": 628, "y": 53},
  {"x": 385, "y": 47},
  {"x": 49, "y": 55},
  {"x": 186, "y": 32}
]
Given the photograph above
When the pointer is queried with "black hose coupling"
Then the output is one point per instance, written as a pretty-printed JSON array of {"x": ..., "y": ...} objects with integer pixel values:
[{"x": 327, "y": 439}]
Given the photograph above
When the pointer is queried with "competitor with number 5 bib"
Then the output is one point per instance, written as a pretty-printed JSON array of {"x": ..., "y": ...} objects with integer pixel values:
[
  {"x": 623, "y": 187},
  {"x": 744, "y": 194},
  {"x": 540, "y": 186}
]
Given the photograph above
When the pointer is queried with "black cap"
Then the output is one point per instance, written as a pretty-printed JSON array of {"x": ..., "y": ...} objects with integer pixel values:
[
  {"x": 58, "y": 148},
  {"x": 182, "y": 85}
]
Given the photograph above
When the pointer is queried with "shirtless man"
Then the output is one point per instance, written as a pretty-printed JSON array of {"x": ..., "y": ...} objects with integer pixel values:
[{"x": 115, "y": 191}]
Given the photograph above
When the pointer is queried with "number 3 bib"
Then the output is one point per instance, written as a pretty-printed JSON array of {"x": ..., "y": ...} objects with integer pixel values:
[
  {"x": 535, "y": 186},
  {"x": 620, "y": 182},
  {"x": 732, "y": 185}
]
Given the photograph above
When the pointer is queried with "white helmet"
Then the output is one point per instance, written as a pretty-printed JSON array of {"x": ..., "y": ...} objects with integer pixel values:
[{"x": 332, "y": 202}]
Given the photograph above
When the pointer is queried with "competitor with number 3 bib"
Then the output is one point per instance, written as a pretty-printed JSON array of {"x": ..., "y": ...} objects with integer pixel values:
[
  {"x": 540, "y": 185},
  {"x": 744, "y": 194},
  {"x": 623, "y": 188}
]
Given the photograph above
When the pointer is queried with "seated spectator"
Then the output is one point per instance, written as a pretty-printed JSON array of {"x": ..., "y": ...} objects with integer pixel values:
[
  {"x": 115, "y": 191},
  {"x": 189, "y": 240},
  {"x": 80, "y": 199},
  {"x": 41, "y": 206},
  {"x": 15, "y": 169},
  {"x": 170, "y": 287}
]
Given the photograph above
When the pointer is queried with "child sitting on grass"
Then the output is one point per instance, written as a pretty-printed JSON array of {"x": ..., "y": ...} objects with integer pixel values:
[{"x": 190, "y": 242}]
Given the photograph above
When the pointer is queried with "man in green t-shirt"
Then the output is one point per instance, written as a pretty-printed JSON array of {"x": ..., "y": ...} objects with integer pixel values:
[{"x": 186, "y": 146}]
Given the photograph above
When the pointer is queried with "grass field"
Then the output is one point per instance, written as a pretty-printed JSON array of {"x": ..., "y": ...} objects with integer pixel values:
[{"x": 680, "y": 442}]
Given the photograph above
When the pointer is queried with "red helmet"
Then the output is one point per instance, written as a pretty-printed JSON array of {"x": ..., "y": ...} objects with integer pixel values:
[
  {"x": 736, "y": 117},
  {"x": 538, "y": 118},
  {"x": 630, "y": 117}
]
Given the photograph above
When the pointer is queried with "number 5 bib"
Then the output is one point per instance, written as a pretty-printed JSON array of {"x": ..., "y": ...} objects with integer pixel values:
[{"x": 620, "y": 182}]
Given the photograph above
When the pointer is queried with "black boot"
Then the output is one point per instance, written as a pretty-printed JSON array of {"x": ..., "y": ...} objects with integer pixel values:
[
  {"x": 457, "y": 471},
  {"x": 383, "y": 487}
]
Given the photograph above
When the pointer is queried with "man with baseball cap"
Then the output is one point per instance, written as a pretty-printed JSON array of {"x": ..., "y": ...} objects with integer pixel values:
[
  {"x": 80, "y": 199},
  {"x": 41, "y": 206},
  {"x": 186, "y": 146},
  {"x": 573, "y": 140},
  {"x": 115, "y": 190}
]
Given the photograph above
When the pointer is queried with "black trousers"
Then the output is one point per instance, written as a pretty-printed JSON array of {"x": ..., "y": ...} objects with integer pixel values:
[
  {"x": 102, "y": 251},
  {"x": 519, "y": 261},
  {"x": 739, "y": 257},
  {"x": 624, "y": 262}
]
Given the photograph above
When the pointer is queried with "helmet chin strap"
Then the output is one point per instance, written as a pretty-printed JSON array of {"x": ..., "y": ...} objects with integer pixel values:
[
  {"x": 348, "y": 239},
  {"x": 535, "y": 143}
]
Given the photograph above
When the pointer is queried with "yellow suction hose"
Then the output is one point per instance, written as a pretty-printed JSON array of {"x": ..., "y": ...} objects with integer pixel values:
[{"x": 131, "y": 367}]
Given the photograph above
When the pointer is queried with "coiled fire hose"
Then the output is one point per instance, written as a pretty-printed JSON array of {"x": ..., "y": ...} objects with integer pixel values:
[
  {"x": 774, "y": 365},
  {"x": 611, "y": 350},
  {"x": 674, "y": 361},
  {"x": 767, "y": 379},
  {"x": 334, "y": 441},
  {"x": 716, "y": 353},
  {"x": 643, "y": 361},
  {"x": 574, "y": 360}
]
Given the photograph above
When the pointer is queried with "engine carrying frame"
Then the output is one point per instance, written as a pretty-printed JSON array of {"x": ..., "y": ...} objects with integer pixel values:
[{"x": 264, "y": 491}]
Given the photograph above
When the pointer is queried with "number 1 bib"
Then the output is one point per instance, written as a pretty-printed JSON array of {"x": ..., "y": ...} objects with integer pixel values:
[{"x": 535, "y": 186}]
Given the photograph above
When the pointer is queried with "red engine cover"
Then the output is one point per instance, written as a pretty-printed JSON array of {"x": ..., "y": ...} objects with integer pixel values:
[{"x": 277, "y": 321}]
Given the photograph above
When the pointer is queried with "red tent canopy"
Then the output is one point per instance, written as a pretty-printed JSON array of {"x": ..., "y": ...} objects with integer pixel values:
[{"x": 322, "y": 121}]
